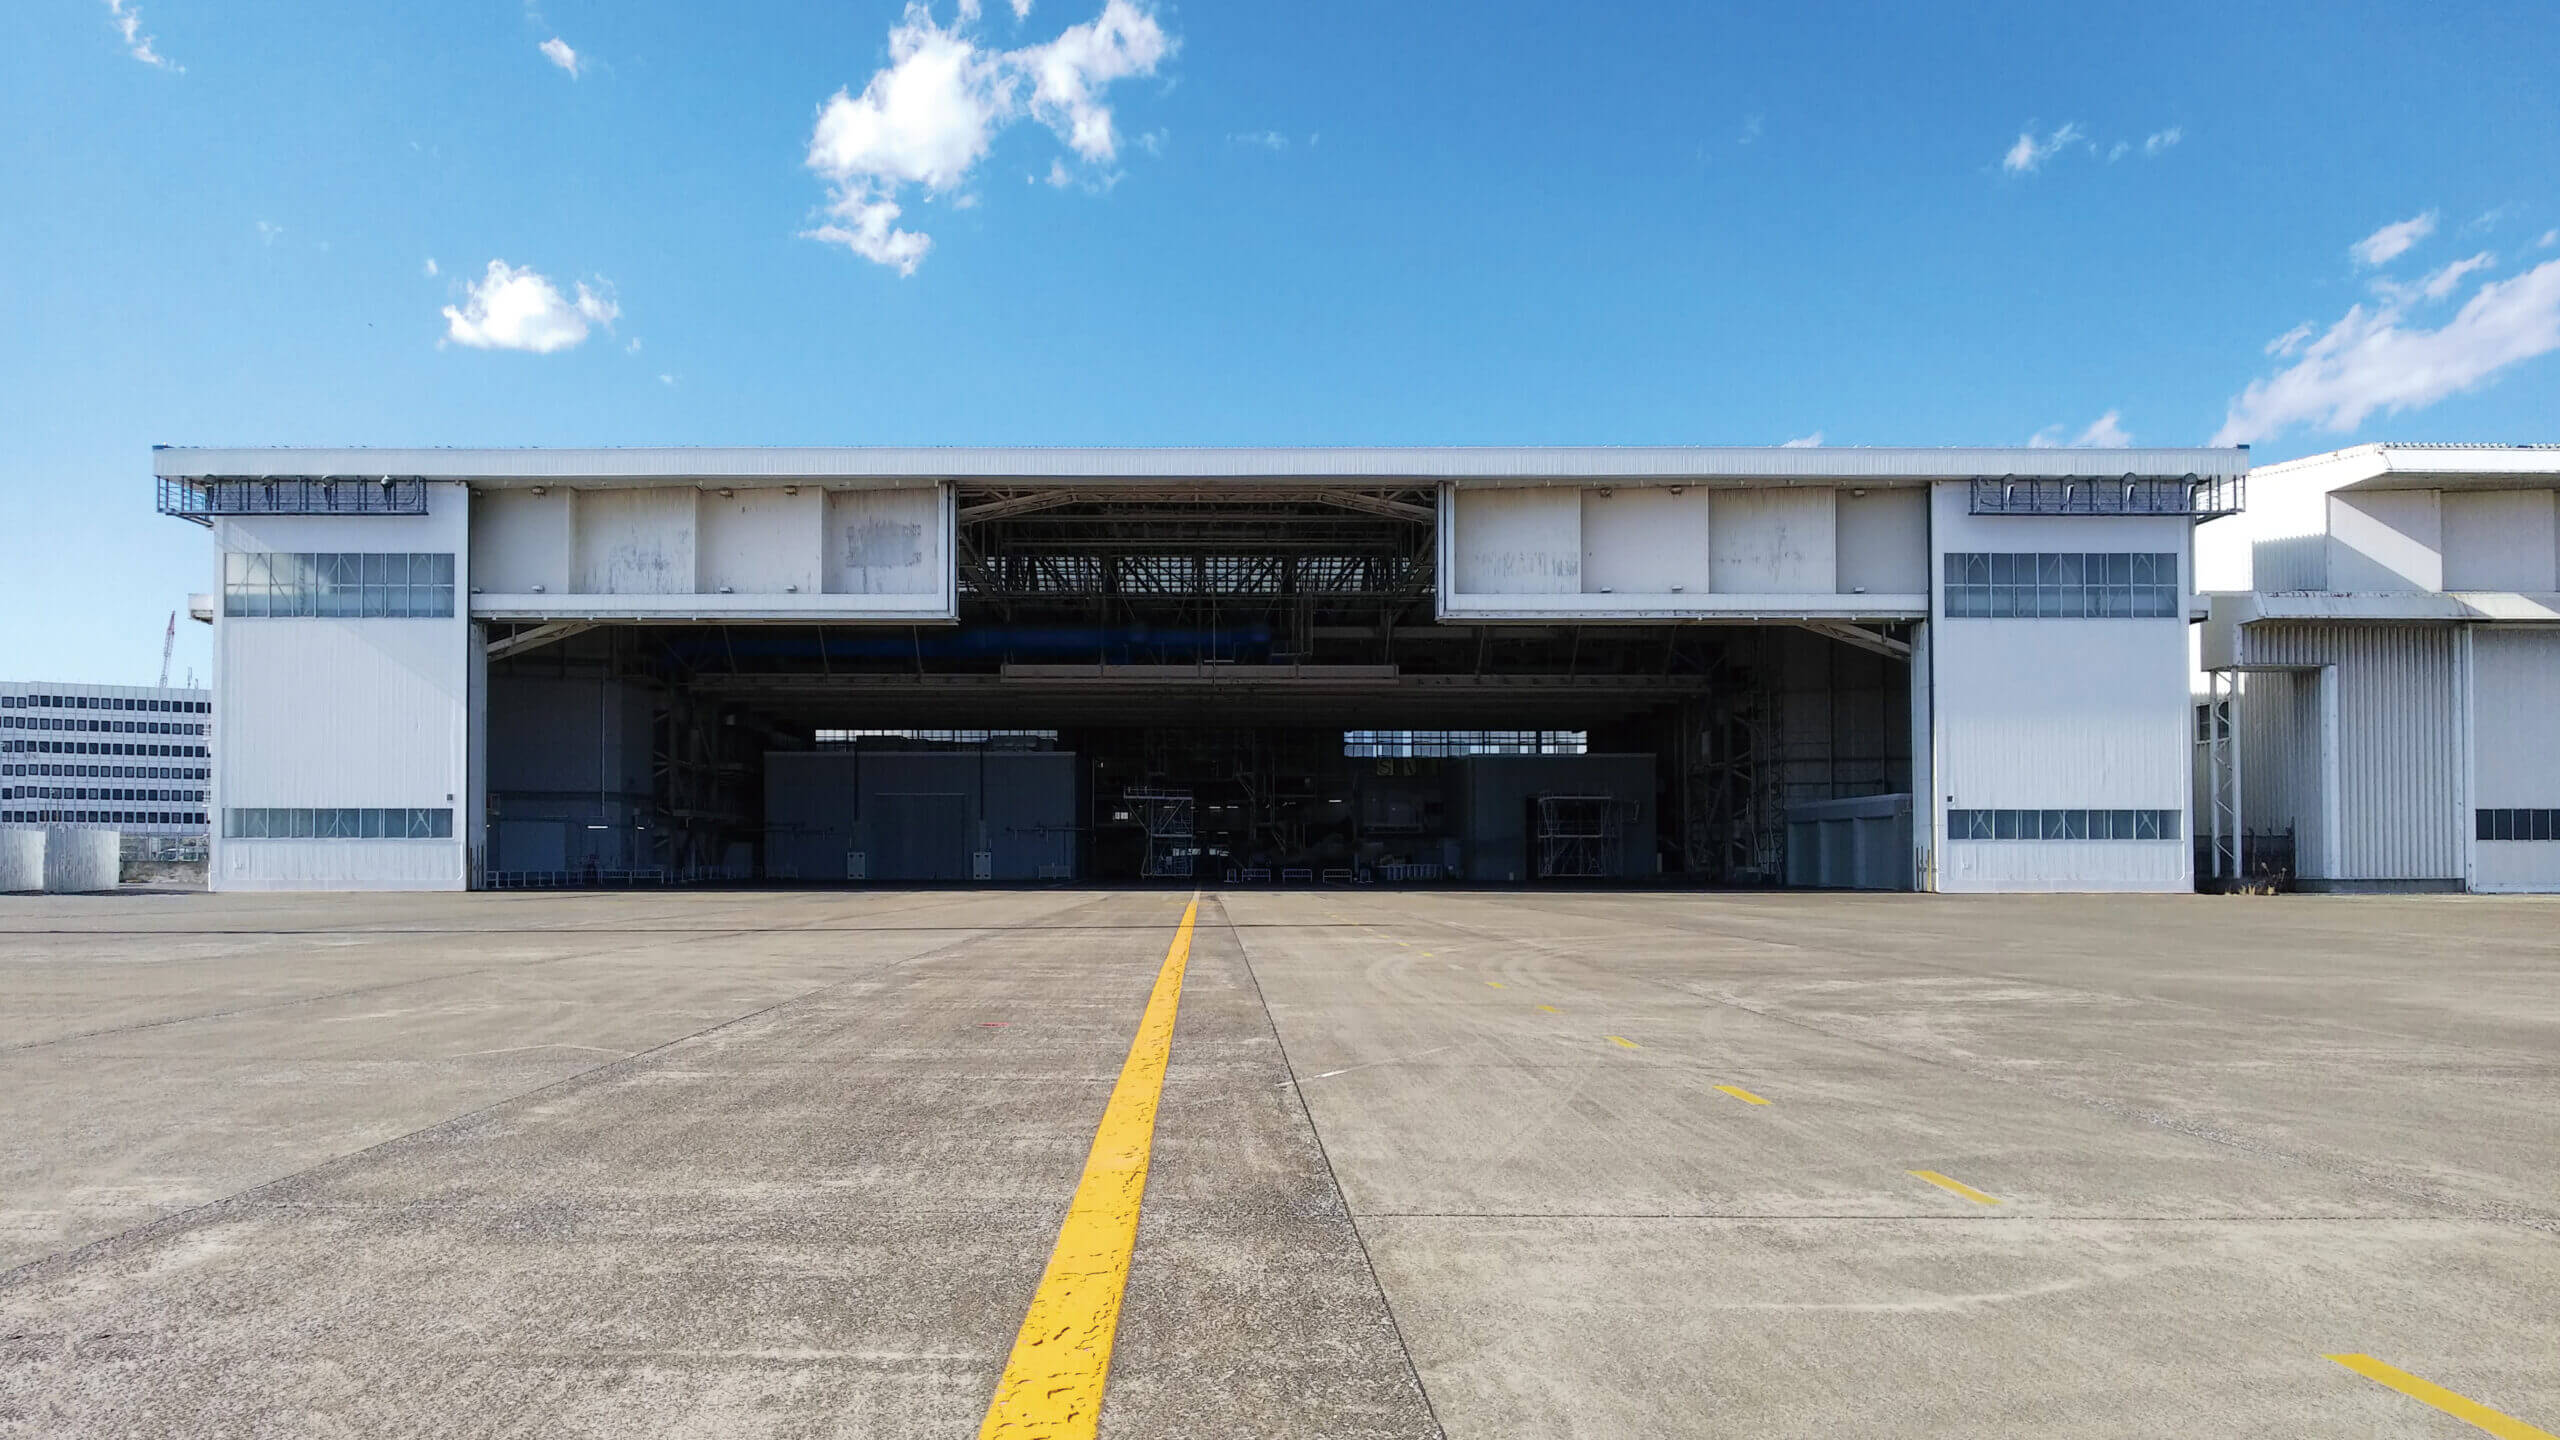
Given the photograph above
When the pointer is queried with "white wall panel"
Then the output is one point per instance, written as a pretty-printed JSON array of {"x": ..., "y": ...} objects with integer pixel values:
[
  {"x": 2284, "y": 762},
  {"x": 2385, "y": 542},
  {"x": 1519, "y": 542},
  {"x": 344, "y": 713},
  {"x": 2515, "y": 755},
  {"x": 763, "y": 542},
  {"x": 1884, "y": 542},
  {"x": 1644, "y": 541},
  {"x": 2067, "y": 714},
  {"x": 2500, "y": 540},
  {"x": 2056, "y": 866},
  {"x": 887, "y": 542},
  {"x": 520, "y": 541},
  {"x": 1775, "y": 542},
  {"x": 634, "y": 542}
]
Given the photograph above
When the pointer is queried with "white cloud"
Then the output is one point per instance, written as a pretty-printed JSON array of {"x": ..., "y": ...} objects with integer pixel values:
[
  {"x": 1265, "y": 139},
  {"x": 2292, "y": 340},
  {"x": 557, "y": 51},
  {"x": 2117, "y": 151},
  {"x": 2549, "y": 239},
  {"x": 2444, "y": 281},
  {"x": 929, "y": 118},
  {"x": 1752, "y": 126},
  {"x": 432, "y": 270},
  {"x": 518, "y": 309},
  {"x": 2393, "y": 240},
  {"x": 666, "y": 379},
  {"x": 2372, "y": 360},
  {"x": 2107, "y": 432},
  {"x": 127, "y": 18},
  {"x": 2160, "y": 140},
  {"x": 632, "y": 347},
  {"x": 267, "y": 232},
  {"x": 1803, "y": 442},
  {"x": 2028, "y": 155}
]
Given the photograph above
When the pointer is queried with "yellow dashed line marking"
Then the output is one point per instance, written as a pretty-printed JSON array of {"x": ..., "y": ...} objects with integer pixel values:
[
  {"x": 2469, "y": 1411},
  {"x": 1550, "y": 1009},
  {"x": 1623, "y": 1040},
  {"x": 1745, "y": 1096},
  {"x": 1957, "y": 1187},
  {"x": 1052, "y": 1385},
  {"x": 1496, "y": 984}
]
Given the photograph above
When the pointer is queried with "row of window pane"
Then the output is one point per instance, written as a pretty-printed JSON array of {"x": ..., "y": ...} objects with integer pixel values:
[
  {"x": 2062, "y": 585},
  {"x": 1365, "y": 744},
  {"x": 82, "y": 792},
  {"x": 99, "y": 817},
  {"x": 334, "y": 585},
  {"x": 2062, "y": 824},
  {"x": 269, "y": 823},
  {"x": 102, "y": 702},
  {"x": 2519, "y": 824}
]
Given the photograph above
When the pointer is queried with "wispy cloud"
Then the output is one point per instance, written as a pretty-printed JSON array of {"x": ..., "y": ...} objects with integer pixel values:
[
  {"x": 519, "y": 309},
  {"x": 2393, "y": 240},
  {"x": 2028, "y": 155},
  {"x": 1271, "y": 140},
  {"x": 2549, "y": 239},
  {"x": 928, "y": 119},
  {"x": 127, "y": 18},
  {"x": 1803, "y": 442},
  {"x": 269, "y": 232},
  {"x": 557, "y": 51},
  {"x": 2107, "y": 432},
  {"x": 432, "y": 269},
  {"x": 1752, "y": 126},
  {"x": 2374, "y": 360},
  {"x": 2293, "y": 339}
]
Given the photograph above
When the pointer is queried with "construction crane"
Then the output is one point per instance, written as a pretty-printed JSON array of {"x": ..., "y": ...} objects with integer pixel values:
[{"x": 168, "y": 642}]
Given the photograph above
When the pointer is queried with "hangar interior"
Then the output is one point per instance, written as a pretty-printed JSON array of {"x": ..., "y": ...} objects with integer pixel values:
[{"x": 1202, "y": 683}]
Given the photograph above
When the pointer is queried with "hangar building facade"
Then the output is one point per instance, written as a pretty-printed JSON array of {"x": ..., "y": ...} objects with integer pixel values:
[
  {"x": 2383, "y": 659},
  {"x": 1948, "y": 669}
]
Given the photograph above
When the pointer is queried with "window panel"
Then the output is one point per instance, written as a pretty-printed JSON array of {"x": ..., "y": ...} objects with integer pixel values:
[{"x": 334, "y": 585}]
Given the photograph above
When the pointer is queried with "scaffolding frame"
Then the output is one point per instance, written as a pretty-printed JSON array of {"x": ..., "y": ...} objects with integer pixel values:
[
  {"x": 1167, "y": 815},
  {"x": 1581, "y": 837}
]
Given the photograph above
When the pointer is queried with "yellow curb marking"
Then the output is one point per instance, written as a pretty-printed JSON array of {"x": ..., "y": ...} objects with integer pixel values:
[{"x": 1052, "y": 1385}]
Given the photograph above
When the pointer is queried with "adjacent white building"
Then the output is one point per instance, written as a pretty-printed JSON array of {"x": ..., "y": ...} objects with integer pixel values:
[
  {"x": 2031, "y": 608},
  {"x": 2383, "y": 663},
  {"x": 130, "y": 758}
]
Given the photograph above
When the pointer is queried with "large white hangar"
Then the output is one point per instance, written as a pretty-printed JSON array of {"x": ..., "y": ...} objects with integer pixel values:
[{"x": 1952, "y": 669}]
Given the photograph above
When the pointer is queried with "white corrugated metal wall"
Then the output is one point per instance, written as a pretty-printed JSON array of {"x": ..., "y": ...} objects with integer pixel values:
[
  {"x": 2281, "y": 764},
  {"x": 2515, "y": 717},
  {"x": 2400, "y": 802}
]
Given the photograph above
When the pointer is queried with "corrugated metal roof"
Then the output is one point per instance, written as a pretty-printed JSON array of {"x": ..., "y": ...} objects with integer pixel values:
[
  {"x": 2360, "y": 465},
  {"x": 1299, "y": 465}
]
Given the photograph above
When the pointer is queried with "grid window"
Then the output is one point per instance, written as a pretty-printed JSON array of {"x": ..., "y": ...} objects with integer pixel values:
[
  {"x": 2515, "y": 824},
  {"x": 2063, "y": 824},
  {"x": 336, "y": 586},
  {"x": 2045, "y": 585},
  {"x": 338, "y": 823}
]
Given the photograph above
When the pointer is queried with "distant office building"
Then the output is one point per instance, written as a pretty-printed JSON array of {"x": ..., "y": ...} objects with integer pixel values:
[{"x": 130, "y": 757}]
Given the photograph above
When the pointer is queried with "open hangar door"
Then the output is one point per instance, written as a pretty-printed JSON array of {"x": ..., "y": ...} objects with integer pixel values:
[{"x": 1201, "y": 684}]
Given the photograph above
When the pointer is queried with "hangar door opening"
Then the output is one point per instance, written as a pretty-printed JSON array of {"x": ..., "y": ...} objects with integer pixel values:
[{"x": 1196, "y": 684}]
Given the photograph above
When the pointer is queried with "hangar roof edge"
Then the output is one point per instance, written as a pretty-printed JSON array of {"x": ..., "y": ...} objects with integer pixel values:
[{"x": 1121, "y": 465}]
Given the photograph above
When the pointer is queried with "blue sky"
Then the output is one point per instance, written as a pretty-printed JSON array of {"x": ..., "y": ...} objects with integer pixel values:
[{"x": 1142, "y": 222}]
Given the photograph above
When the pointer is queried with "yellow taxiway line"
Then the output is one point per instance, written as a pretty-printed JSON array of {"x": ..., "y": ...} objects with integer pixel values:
[
  {"x": 1052, "y": 1385},
  {"x": 2470, "y": 1412},
  {"x": 1957, "y": 1187},
  {"x": 1745, "y": 1096}
]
